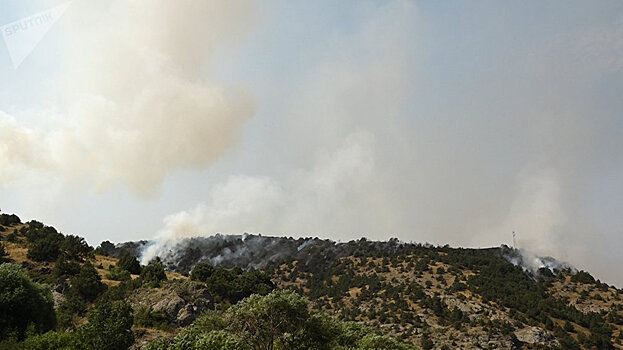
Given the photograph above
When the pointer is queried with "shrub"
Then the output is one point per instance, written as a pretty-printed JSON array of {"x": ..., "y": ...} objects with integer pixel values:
[
  {"x": 64, "y": 267},
  {"x": 88, "y": 282},
  {"x": 51, "y": 340},
  {"x": 583, "y": 277},
  {"x": 129, "y": 263},
  {"x": 23, "y": 302},
  {"x": 75, "y": 248},
  {"x": 9, "y": 220},
  {"x": 105, "y": 248},
  {"x": 109, "y": 327},
  {"x": 153, "y": 274},
  {"x": 44, "y": 249},
  {"x": 202, "y": 271},
  {"x": 3, "y": 254},
  {"x": 118, "y": 274}
]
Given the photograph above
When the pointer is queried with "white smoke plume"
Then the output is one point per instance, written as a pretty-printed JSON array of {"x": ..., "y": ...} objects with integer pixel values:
[
  {"x": 261, "y": 204},
  {"x": 137, "y": 101}
]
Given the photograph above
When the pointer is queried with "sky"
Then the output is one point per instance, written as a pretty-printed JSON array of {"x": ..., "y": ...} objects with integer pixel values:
[{"x": 445, "y": 122}]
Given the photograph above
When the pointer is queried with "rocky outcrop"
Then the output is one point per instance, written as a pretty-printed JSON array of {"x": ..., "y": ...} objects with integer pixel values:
[
  {"x": 170, "y": 306},
  {"x": 180, "y": 301},
  {"x": 536, "y": 335}
]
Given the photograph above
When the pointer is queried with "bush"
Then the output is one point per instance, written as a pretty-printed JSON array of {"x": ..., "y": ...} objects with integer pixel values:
[
  {"x": 105, "y": 248},
  {"x": 51, "y": 340},
  {"x": 3, "y": 254},
  {"x": 220, "y": 340},
  {"x": 109, "y": 327},
  {"x": 88, "y": 282},
  {"x": 583, "y": 277},
  {"x": 23, "y": 302},
  {"x": 9, "y": 220},
  {"x": 75, "y": 248},
  {"x": 201, "y": 272},
  {"x": 64, "y": 267},
  {"x": 129, "y": 263},
  {"x": 45, "y": 249},
  {"x": 118, "y": 274},
  {"x": 153, "y": 274}
]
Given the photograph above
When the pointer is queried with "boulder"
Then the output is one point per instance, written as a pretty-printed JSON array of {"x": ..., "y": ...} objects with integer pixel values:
[
  {"x": 534, "y": 335},
  {"x": 186, "y": 315},
  {"x": 170, "y": 306}
]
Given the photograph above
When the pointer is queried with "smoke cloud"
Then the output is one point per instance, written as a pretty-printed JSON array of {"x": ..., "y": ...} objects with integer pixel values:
[
  {"x": 465, "y": 160},
  {"x": 138, "y": 103},
  {"x": 375, "y": 119},
  {"x": 306, "y": 201}
]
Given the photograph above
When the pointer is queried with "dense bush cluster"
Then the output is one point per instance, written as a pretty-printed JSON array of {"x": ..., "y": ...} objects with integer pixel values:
[
  {"x": 232, "y": 284},
  {"x": 9, "y": 220},
  {"x": 45, "y": 243},
  {"x": 23, "y": 303},
  {"x": 281, "y": 319}
]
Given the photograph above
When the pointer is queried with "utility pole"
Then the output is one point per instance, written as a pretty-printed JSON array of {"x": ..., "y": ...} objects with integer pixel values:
[{"x": 514, "y": 244}]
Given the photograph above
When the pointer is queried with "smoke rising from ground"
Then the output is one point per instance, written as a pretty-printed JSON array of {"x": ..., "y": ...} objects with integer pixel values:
[
  {"x": 378, "y": 120},
  {"x": 137, "y": 100},
  {"x": 513, "y": 148}
]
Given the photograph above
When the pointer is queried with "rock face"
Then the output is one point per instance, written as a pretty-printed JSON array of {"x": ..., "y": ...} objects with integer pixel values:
[
  {"x": 181, "y": 301},
  {"x": 536, "y": 335},
  {"x": 186, "y": 315},
  {"x": 170, "y": 306}
]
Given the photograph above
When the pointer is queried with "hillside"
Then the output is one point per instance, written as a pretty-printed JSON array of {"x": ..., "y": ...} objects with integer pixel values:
[{"x": 431, "y": 297}]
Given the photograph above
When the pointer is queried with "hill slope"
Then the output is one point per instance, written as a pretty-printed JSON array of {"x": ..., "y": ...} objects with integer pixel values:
[{"x": 433, "y": 297}]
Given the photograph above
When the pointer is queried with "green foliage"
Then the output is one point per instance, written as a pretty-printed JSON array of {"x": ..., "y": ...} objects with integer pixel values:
[
  {"x": 374, "y": 342},
  {"x": 263, "y": 319},
  {"x": 583, "y": 277},
  {"x": 3, "y": 254},
  {"x": 109, "y": 327},
  {"x": 118, "y": 274},
  {"x": 146, "y": 317},
  {"x": 44, "y": 242},
  {"x": 64, "y": 267},
  {"x": 105, "y": 248},
  {"x": 220, "y": 340},
  {"x": 51, "y": 340},
  {"x": 202, "y": 271},
  {"x": 129, "y": 263},
  {"x": 75, "y": 248},
  {"x": 153, "y": 274},
  {"x": 279, "y": 320},
  {"x": 425, "y": 342},
  {"x": 9, "y": 220},
  {"x": 44, "y": 249},
  {"x": 235, "y": 285},
  {"x": 88, "y": 283},
  {"x": 23, "y": 302}
]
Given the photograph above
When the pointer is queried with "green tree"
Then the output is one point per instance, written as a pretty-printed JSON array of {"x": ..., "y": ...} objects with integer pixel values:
[
  {"x": 109, "y": 327},
  {"x": 260, "y": 320},
  {"x": 3, "y": 254},
  {"x": 23, "y": 302},
  {"x": 153, "y": 274},
  {"x": 202, "y": 271},
  {"x": 51, "y": 340},
  {"x": 88, "y": 282},
  {"x": 44, "y": 249},
  {"x": 220, "y": 340},
  {"x": 75, "y": 248},
  {"x": 129, "y": 263}
]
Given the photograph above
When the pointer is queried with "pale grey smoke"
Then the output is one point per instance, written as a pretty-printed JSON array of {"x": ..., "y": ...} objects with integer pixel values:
[
  {"x": 515, "y": 148},
  {"x": 139, "y": 104},
  {"x": 307, "y": 201}
]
